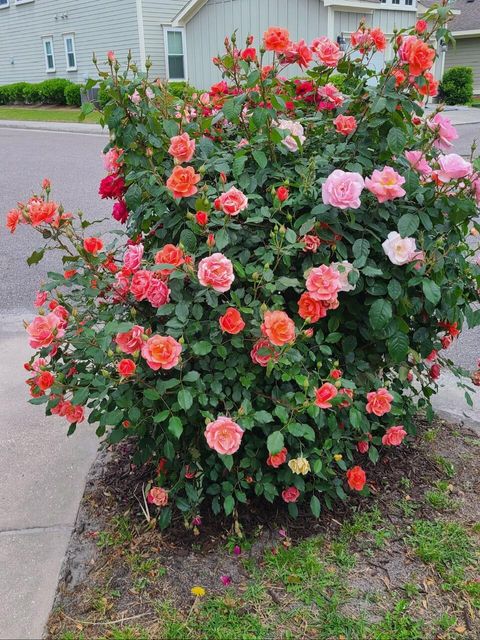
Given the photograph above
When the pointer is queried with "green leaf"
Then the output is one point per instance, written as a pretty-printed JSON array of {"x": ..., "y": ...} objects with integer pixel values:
[
  {"x": 260, "y": 158},
  {"x": 188, "y": 240},
  {"x": 182, "y": 311},
  {"x": 398, "y": 347},
  {"x": 361, "y": 248},
  {"x": 408, "y": 224},
  {"x": 432, "y": 291},
  {"x": 315, "y": 506},
  {"x": 35, "y": 257},
  {"x": 221, "y": 239},
  {"x": 162, "y": 416},
  {"x": 185, "y": 399},
  {"x": 191, "y": 376},
  {"x": 201, "y": 348},
  {"x": 81, "y": 395},
  {"x": 151, "y": 394},
  {"x": 263, "y": 417},
  {"x": 175, "y": 427},
  {"x": 170, "y": 127},
  {"x": 275, "y": 442},
  {"x": 356, "y": 418},
  {"x": 301, "y": 431},
  {"x": 394, "y": 289},
  {"x": 228, "y": 505},
  {"x": 396, "y": 140},
  {"x": 238, "y": 165},
  {"x": 380, "y": 313},
  {"x": 371, "y": 272}
]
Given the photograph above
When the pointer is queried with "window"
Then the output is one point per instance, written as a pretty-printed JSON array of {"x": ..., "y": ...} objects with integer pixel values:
[
  {"x": 4, "y": 4},
  {"x": 175, "y": 54},
  {"x": 409, "y": 3},
  {"x": 49, "y": 55},
  {"x": 395, "y": 1},
  {"x": 69, "y": 41}
]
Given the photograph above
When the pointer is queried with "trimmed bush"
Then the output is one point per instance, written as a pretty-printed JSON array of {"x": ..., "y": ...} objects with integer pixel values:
[
  {"x": 53, "y": 91},
  {"x": 457, "y": 85},
  {"x": 73, "y": 96},
  {"x": 32, "y": 93},
  {"x": 181, "y": 90}
]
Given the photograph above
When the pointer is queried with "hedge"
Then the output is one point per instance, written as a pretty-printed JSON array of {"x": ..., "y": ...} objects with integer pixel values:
[
  {"x": 457, "y": 85},
  {"x": 56, "y": 91}
]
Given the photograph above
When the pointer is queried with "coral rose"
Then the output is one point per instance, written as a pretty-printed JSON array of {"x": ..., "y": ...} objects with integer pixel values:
[
  {"x": 111, "y": 160},
  {"x": 158, "y": 293},
  {"x": 132, "y": 340},
  {"x": 310, "y": 309},
  {"x": 323, "y": 283},
  {"x": 126, "y": 367},
  {"x": 42, "y": 212},
  {"x": 363, "y": 446},
  {"x": 171, "y": 255},
  {"x": 216, "y": 271},
  {"x": 133, "y": 257},
  {"x": 324, "y": 394},
  {"x": 182, "y": 182},
  {"x": 345, "y": 124},
  {"x": 14, "y": 217},
  {"x": 43, "y": 330},
  {"x": 182, "y": 148},
  {"x": 45, "y": 380},
  {"x": 385, "y": 184},
  {"x": 224, "y": 435},
  {"x": 278, "y": 327},
  {"x": 394, "y": 436},
  {"x": 379, "y": 402},
  {"x": 158, "y": 496},
  {"x": 74, "y": 413},
  {"x": 232, "y": 202},
  {"x": 92, "y": 245},
  {"x": 328, "y": 52},
  {"x": 140, "y": 284},
  {"x": 399, "y": 250},
  {"x": 262, "y": 352},
  {"x": 231, "y": 322},
  {"x": 290, "y": 494},
  {"x": 356, "y": 478},
  {"x": 421, "y": 26},
  {"x": 276, "y": 39},
  {"x": 275, "y": 460},
  {"x": 342, "y": 189},
  {"x": 417, "y": 54},
  {"x": 161, "y": 352}
]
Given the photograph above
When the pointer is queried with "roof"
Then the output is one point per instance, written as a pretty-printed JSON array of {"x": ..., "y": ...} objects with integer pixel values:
[{"x": 467, "y": 20}]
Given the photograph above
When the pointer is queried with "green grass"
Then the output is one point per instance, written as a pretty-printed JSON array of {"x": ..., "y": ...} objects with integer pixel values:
[{"x": 45, "y": 114}]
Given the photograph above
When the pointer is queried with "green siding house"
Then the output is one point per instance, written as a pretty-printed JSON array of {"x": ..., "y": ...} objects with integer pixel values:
[{"x": 42, "y": 39}]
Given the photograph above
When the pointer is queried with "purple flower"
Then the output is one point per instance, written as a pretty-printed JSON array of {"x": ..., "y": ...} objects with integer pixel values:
[
  {"x": 237, "y": 550},
  {"x": 226, "y": 580}
]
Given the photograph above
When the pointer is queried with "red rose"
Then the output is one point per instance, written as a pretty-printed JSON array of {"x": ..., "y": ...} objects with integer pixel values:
[
  {"x": 249, "y": 54},
  {"x": 202, "y": 218},
  {"x": 336, "y": 374},
  {"x": 92, "y": 245},
  {"x": 362, "y": 446},
  {"x": 126, "y": 367},
  {"x": 231, "y": 322},
  {"x": 282, "y": 193},
  {"x": 45, "y": 380},
  {"x": 112, "y": 186},
  {"x": 434, "y": 372},
  {"x": 120, "y": 211},
  {"x": 356, "y": 478},
  {"x": 290, "y": 494},
  {"x": 421, "y": 26}
]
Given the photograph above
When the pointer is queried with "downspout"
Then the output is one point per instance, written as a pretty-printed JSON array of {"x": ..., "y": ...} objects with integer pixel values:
[{"x": 141, "y": 34}]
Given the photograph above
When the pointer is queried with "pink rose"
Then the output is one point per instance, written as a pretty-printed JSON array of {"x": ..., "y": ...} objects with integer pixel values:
[
  {"x": 344, "y": 268},
  {"x": 133, "y": 257},
  {"x": 385, "y": 184},
  {"x": 224, "y": 436},
  {"x": 121, "y": 285},
  {"x": 342, "y": 189},
  {"x": 136, "y": 97},
  {"x": 327, "y": 52},
  {"x": 140, "y": 284},
  {"x": 418, "y": 162},
  {"x": 453, "y": 167},
  {"x": 331, "y": 94},
  {"x": 158, "y": 496},
  {"x": 132, "y": 340},
  {"x": 161, "y": 352},
  {"x": 400, "y": 250},
  {"x": 63, "y": 315},
  {"x": 268, "y": 352},
  {"x": 476, "y": 186},
  {"x": 296, "y": 130},
  {"x": 40, "y": 298},
  {"x": 379, "y": 402},
  {"x": 323, "y": 282},
  {"x": 232, "y": 202},
  {"x": 290, "y": 494},
  {"x": 345, "y": 124},
  {"x": 363, "y": 446},
  {"x": 324, "y": 394},
  {"x": 158, "y": 293},
  {"x": 43, "y": 330},
  {"x": 182, "y": 148},
  {"x": 216, "y": 271},
  {"x": 394, "y": 436},
  {"x": 444, "y": 130},
  {"x": 73, "y": 413},
  {"x": 111, "y": 160}
]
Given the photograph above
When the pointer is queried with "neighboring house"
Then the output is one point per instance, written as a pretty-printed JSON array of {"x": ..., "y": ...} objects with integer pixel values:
[{"x": 42, "y": 39}]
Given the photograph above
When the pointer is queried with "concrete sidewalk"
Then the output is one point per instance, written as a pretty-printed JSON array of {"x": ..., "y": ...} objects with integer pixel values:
[
  {"x": 43, "y": 477},
  {"x": 62, "y": 127}
]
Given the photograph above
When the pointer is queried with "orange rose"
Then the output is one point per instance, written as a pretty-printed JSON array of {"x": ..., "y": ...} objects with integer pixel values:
[
  {"x": 182, "y": 148},
  {"x": 417, "y": 54},
  {"x": 126, "y": 367},
  {"x": 356, "y": 478},
  {"x": 169, "y": 254},
  {"x": 231, "y": 322},
  {"x": 182, "y": 182},
  {"x": 276, "y": 459},
  {"x": 92, "y": 245},
  {"x": 276, "y": 39},
  {"x": 379, "y": 402},
  {"x": 278, "y": 327},
  {"x": 42, "y": 212},
  {"x": 310, "y": 309}
]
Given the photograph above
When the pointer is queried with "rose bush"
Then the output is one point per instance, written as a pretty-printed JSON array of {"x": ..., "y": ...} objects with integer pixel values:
[{"x": 294, "y": 269}]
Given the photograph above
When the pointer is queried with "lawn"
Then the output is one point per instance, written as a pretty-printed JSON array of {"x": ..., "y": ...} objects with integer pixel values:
[
  {"x": 400, "y": 565},
  {"x": 45, "y": 114}
]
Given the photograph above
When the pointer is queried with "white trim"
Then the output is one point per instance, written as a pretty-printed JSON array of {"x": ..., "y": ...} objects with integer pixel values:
[
  {"x": 23, "y": 1},
  {"x": 141, "y": 34},
  {"x": 471, "y": 33},
  {"x": 5, "y": 6},
  {"x": 70, "y": 36},
  {"x": 181, "y": 30},
  {"x": 46, "y": 39},
  {"x": 367, "y": 7},
  {"x": 331, "y": 23},
  {"x": 187, "y": 13}
]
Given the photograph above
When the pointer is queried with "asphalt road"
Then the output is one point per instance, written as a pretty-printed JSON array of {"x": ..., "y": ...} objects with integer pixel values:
[{"x": 74, "y": 165}]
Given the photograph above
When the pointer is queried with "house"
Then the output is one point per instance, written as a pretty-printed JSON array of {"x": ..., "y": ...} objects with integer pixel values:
[
  {"x": 465, "y": 28},
  {"x": 42, "y": 39}
]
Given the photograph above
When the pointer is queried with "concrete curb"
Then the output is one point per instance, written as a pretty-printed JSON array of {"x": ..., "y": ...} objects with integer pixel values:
[{"x": 61, "y": 127}]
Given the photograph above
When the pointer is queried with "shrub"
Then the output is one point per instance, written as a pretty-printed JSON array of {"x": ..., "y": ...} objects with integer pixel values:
[
  {"x": 73, "y": 95},
  {"x": 456, "y": 86},
  {"x": 289, "y": 284},
  {"x": 181, "y": 90},
  {"x": 32, "y": 93},
  {"x": 53, "y": 91}
]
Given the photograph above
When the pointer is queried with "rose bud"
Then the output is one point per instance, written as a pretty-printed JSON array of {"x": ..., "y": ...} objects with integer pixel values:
[
  {"x": 201, "y": 217},
  {"x": 282, "y": 193}
]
